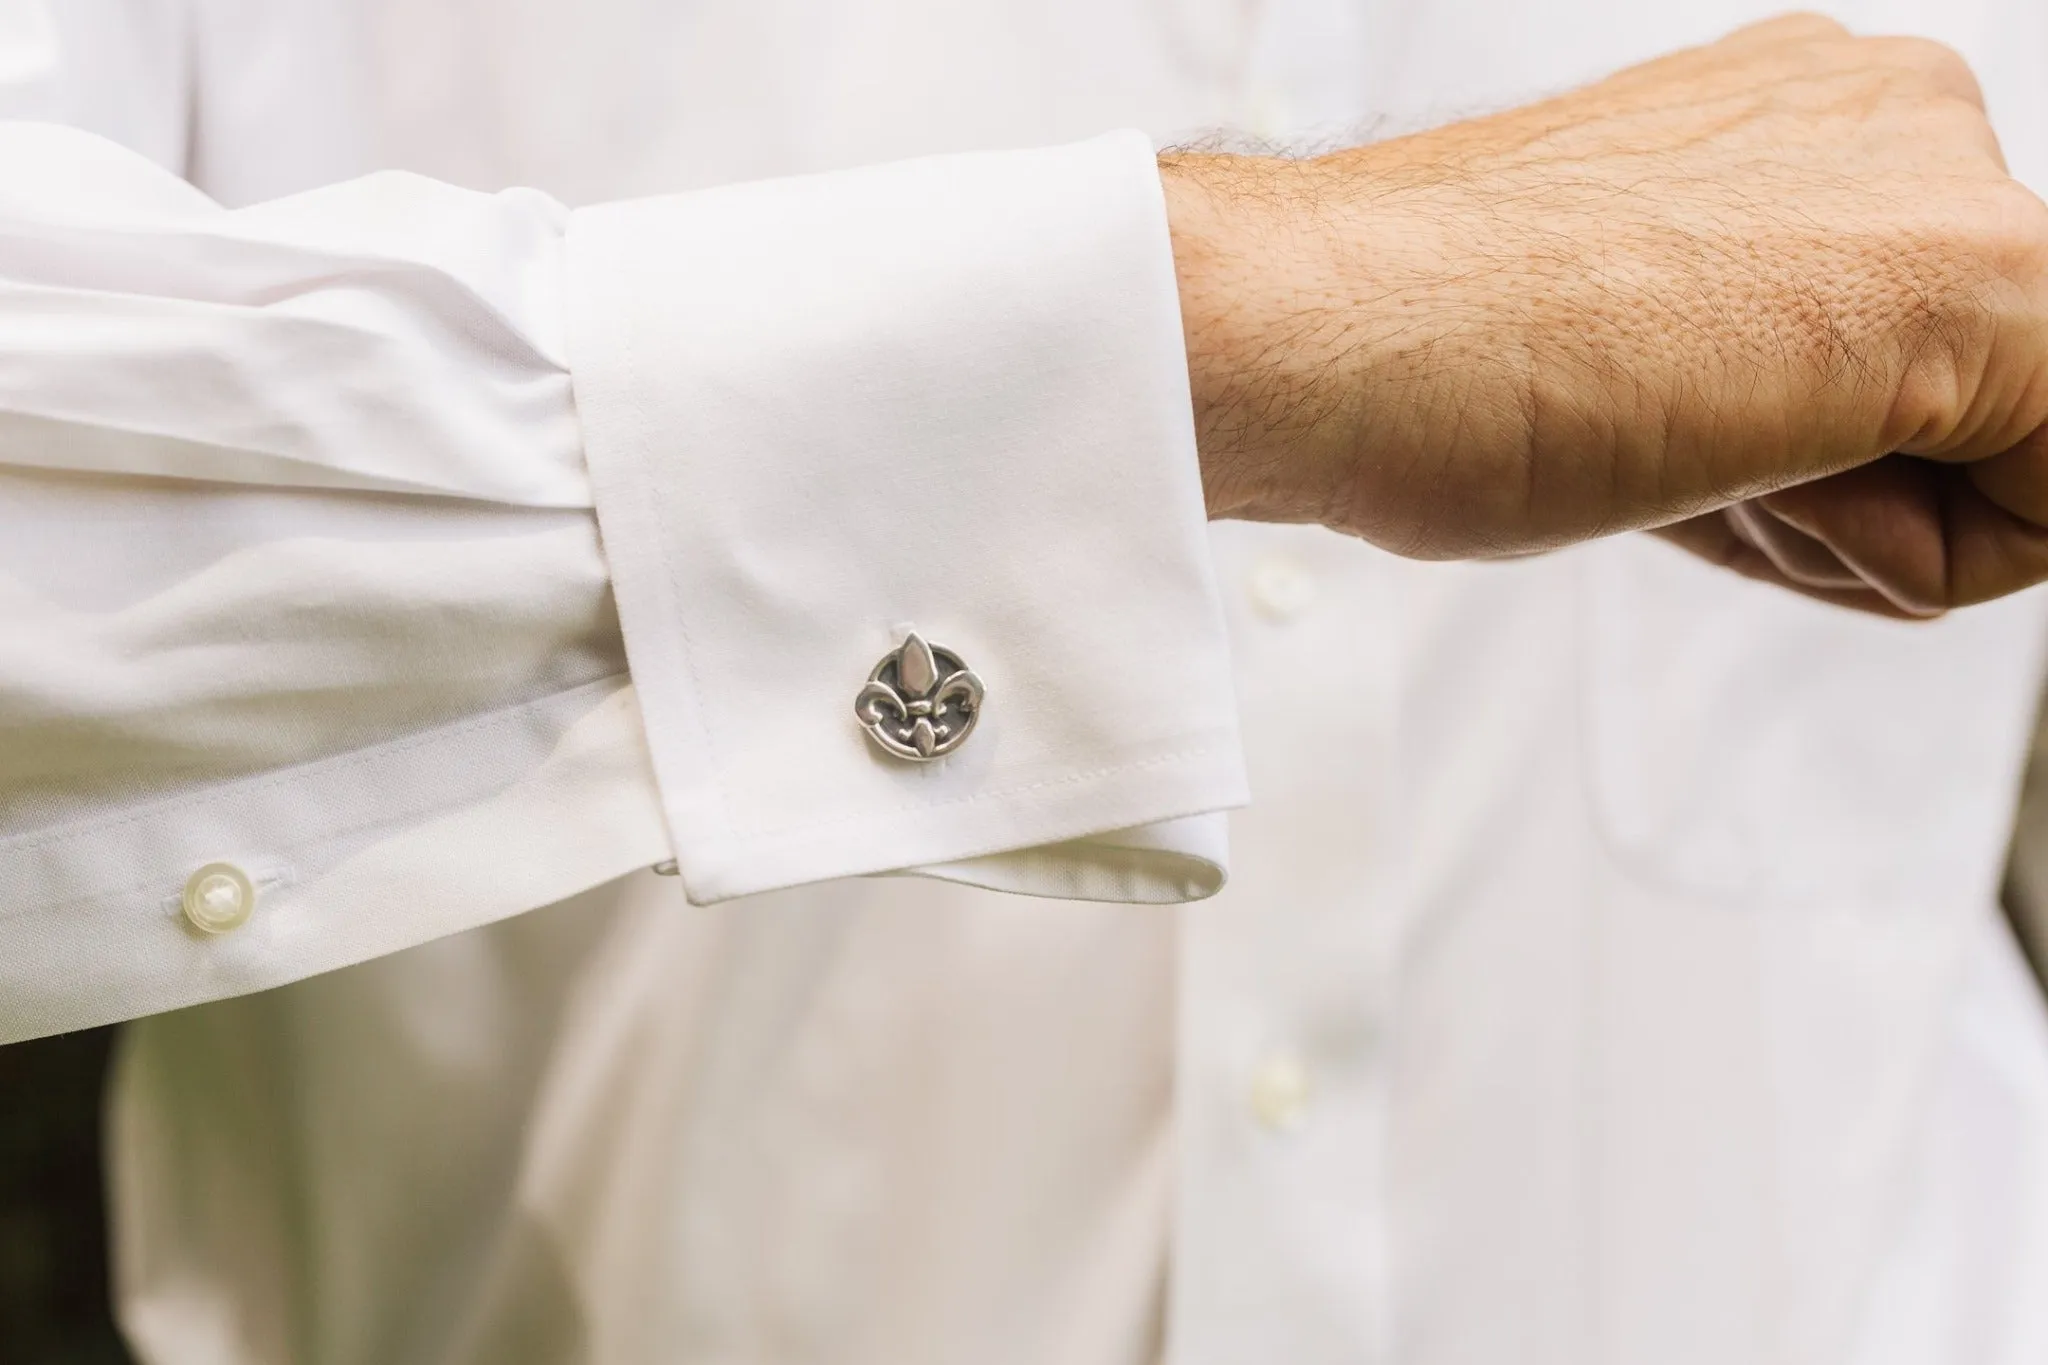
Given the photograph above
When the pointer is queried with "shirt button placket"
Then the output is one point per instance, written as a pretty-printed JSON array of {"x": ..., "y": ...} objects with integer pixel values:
[
  {"x": 1282, "y": 589},
  {"x": 1281, "y": 1091}
]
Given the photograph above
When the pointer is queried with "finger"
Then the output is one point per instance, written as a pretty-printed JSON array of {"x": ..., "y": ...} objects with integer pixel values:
[
  {"x": 2004, "y": 428},
  {"x": 1992, "y": 551},
  {"x": 1797, "y": 555},
  {"x": 1786, "y": 28},
  {"x": 1790, "y": 35},
  {"x": 1941, "y": 66},
  {"x": 1713, "y": 538},
  {"x": 1938, "y": 68},
  {"x": 2017, "y": 479},
  {"x": 1974, "y": 126},
  {"x": 1928, "y": 536},
  {"x": 1885, "y": 521}
]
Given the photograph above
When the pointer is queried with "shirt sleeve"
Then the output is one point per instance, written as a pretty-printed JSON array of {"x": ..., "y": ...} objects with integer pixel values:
[{"x": 402, "y": 557}]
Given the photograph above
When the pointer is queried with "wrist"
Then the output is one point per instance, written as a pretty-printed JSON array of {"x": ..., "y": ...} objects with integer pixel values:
[
  {"x": 1231, "y": 249},
  {"x": 1309, "y": 304}
]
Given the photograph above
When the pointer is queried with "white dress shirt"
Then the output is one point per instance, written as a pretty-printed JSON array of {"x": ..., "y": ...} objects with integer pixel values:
[
  {"x": 1609, "y": 971},
  {"x": 303, "y": 580}
]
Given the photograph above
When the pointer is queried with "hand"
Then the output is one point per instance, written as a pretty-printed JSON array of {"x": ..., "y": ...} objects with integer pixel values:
[{"x": 1776, "y": 296}]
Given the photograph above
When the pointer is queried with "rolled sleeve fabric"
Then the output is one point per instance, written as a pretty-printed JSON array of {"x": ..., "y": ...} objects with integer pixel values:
[
  {"x": 949, "y": 394},
  {"x": 300, "y": 572}
]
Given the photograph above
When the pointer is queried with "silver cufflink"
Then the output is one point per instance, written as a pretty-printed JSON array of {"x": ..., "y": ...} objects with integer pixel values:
[{"x": 921, "y": 701}]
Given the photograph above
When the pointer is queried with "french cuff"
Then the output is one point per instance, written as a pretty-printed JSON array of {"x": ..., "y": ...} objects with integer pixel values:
[{"x": 945, "y": 396}]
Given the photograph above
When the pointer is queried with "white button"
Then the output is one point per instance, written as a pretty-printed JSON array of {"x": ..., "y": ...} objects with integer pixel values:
[
  {"x": 1282, "y": 589},
  {"x": 219, "y": 897},
  {"x": 1280, "y": 1093}
]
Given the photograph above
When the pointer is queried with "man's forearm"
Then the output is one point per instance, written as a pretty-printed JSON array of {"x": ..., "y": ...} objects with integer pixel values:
[{"x": 1759, "y": 266}]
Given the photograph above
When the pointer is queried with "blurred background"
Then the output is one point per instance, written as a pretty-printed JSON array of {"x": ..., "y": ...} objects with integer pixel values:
[{"x": 53, "y": 1247}]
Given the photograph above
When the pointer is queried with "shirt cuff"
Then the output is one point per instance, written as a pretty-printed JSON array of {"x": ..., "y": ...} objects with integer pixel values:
[{"x": 947, "y": 395}]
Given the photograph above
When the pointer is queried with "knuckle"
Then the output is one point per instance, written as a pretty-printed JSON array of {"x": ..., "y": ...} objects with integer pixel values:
[
  {"x": 1788, "y": 30},
  {"x": 1962, "y": 119},
  {"x": 1957, "y": 134},
  {"x": 2006, "y": 232},
  {"x": 1928, "y": 54},
  {"x": 1930, "y": 392},
  {"x": 1806, "y": 24},
  {"x": 1954, "y": 291},
  {"x": 1936, "y": 63}
]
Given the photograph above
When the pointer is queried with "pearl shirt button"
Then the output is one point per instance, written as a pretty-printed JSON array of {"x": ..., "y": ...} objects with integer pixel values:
[{"x": 219, "y": 897}]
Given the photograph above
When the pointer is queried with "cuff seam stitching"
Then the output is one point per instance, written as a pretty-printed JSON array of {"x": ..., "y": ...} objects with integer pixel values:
[
  {"x": 637, "y": 449},
  {"x": 760, "y": 834}
]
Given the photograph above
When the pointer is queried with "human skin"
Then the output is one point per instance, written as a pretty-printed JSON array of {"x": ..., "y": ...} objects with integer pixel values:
[{"x": 1776, "y": 298}]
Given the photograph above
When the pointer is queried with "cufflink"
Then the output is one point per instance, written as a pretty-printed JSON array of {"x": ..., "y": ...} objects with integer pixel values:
[{"x": 920, "y": 702}]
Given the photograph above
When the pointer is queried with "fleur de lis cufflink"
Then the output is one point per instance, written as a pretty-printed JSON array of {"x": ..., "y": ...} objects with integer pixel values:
[{"x": 920, "y": 702}]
